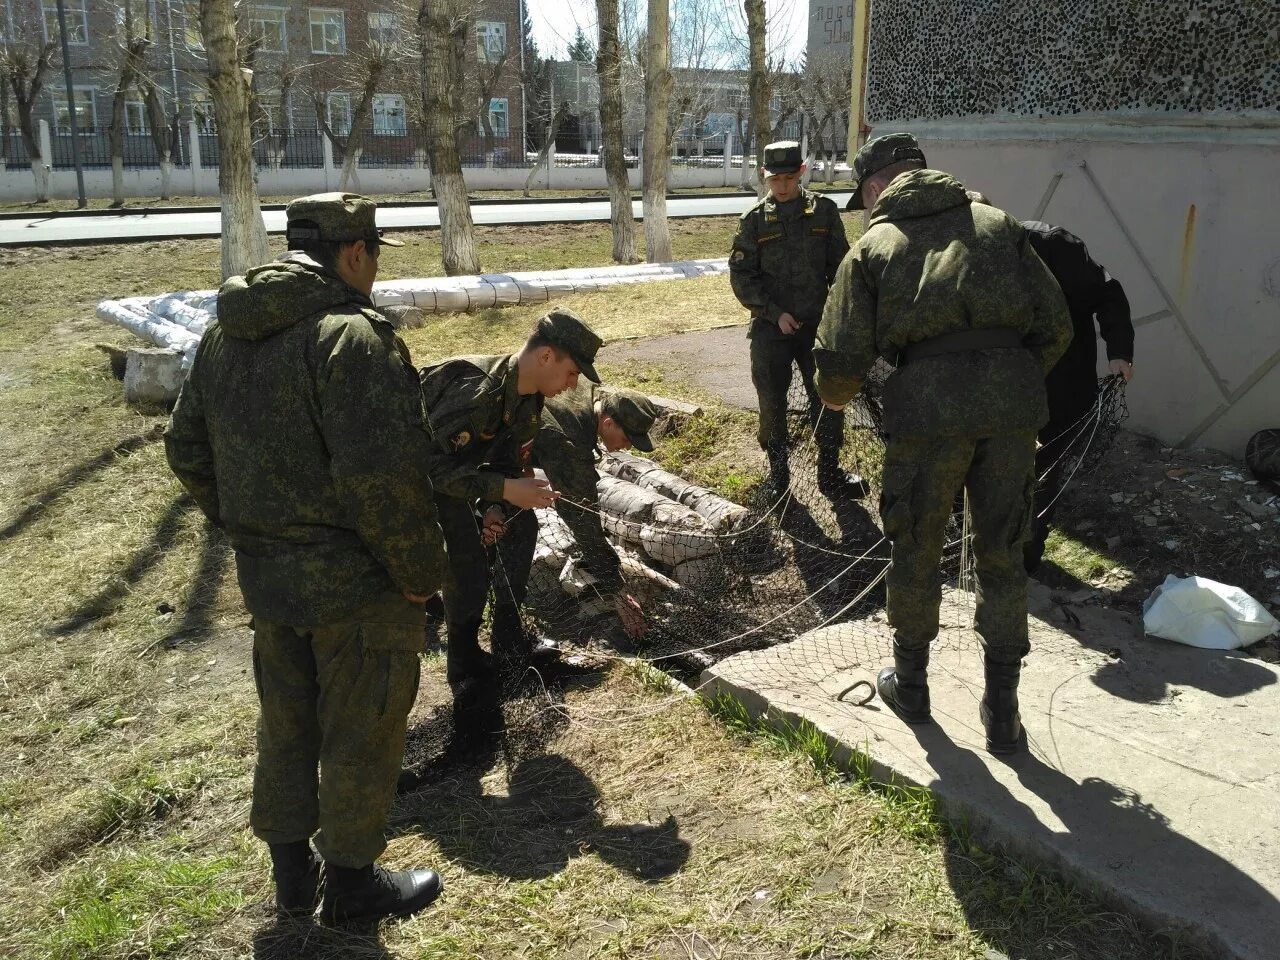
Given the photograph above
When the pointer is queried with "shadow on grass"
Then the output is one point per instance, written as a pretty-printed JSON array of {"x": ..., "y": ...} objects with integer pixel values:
[
  {"x": 74, "y": 477},
  {"x": 307, "y": 940},
  {"x": 107, "y": 599}
]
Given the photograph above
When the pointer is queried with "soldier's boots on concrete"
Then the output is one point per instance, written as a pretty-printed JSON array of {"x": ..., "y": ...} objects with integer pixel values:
[
  {"x": 516, "y": 647},
  {"x": 295, "y": 868},
  {"x": 904, "y": 687},
  {"x": 359, "y": 897},
  {"x": 835, "y": 481},
  {"x": 999, "y": 709},
  {"x": 778, "y": 480}
]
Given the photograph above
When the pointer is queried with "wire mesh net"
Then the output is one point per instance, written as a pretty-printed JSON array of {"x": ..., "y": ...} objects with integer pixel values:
[{"x": 715, "y": 577}]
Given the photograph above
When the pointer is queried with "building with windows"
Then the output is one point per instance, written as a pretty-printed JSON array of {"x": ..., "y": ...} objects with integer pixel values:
[{"x": 309, "y": 62}]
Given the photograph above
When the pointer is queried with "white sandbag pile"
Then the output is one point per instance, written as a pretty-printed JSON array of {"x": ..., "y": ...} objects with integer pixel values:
[
  {"x": 666, "y": 531},
  {"x": 722, "y": 516}
]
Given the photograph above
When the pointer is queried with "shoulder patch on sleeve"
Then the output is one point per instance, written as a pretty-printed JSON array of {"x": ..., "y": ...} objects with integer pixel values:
[
  {"x": 737, "y": 255},
  {"x": 460, "y": 439}
]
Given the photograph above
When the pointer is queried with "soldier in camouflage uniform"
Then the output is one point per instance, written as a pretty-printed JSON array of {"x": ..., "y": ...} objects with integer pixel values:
[
  {"x": 484, "y": 414},
  {"x": 300, "y": 433},
  {"x": 955, "y": 294},
  {"x": 567, "y": 449},
  {"x": 784, "y": 258}
]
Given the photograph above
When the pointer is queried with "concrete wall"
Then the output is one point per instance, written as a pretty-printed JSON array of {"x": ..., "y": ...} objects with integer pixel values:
[{"x": 1189, "y": 222}]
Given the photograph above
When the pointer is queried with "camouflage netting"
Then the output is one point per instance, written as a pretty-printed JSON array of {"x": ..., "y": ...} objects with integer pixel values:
[{"x": 716, "y": 577}]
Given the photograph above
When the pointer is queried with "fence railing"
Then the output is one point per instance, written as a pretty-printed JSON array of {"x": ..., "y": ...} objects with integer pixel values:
[
  {"x": 138, "y": 149},
  {"x": 16, "y": 154}
]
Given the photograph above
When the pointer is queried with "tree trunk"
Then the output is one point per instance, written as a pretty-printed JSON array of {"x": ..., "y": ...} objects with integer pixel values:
[
  {"x": 355, "y": 137},
  {"x": 115, "y": 137},
  {"x": 547, "y": 146},
  {"x": 443, "y": 32},
  {"x": 609, "y": 69},
  {"x": 41, "y": 174},
  {"x": 244, "y": 236},
  {"x": 747, "y": 181},
  {"x": 166, "y": 175},
  {"x": 657, "y": 105},
  {"x": 759, "y": 84}
]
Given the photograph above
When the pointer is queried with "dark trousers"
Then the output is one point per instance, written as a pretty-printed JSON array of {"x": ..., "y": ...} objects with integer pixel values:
[
  {"x": 1066, "y": 430},
  {"x": 334, "y": 704},
  {"x": 921, "y": 478},
  {"x": 771, "y": 374}
]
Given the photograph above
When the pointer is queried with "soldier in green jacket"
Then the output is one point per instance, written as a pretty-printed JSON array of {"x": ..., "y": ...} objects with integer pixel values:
[
  {"x": 575, "y": 425},
  {"x": 484, "y": 414},
  {"x": 300, "y": 433},
  {"x": 955, "y": 295},
  {"x": 785, "y": 255}
]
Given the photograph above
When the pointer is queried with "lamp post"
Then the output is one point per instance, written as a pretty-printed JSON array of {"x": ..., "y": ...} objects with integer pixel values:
[{"x": 71, "y": 106}]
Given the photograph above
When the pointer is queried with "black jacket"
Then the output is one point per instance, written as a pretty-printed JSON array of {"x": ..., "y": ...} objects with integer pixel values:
[{"x": 1090, "y": 292}]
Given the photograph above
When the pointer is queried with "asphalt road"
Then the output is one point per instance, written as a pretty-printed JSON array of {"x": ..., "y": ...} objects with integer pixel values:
[{"x": 142, "y": 225}]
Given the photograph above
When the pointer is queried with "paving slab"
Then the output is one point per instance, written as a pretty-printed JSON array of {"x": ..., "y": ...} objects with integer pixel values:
[
  {"x": 713, "y": 361},
  {"x": 1152, "y": 769}
]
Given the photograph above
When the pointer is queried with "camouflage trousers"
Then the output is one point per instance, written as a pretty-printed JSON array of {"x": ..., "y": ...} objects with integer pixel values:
[
  {"x": 771, "y": 374},
  {"x": 334, "y": 703},
  {"x": 921, "y": 478},
  {"x": 466, "y": 588}
]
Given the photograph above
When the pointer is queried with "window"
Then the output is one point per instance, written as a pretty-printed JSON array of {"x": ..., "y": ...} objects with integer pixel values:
[
  {"x": 86, "y": 111},
  {"x": 272, "y": 112},
  {"x": 383, "y": 29},
  {"x": 328, "y": 31},
  {"x": 338, "y": 108},
  {"x": 77, "y": 21},
  {"x": 135, "y": 118},
  {"x": 498, "y": 118},
  {"x": 389, "y": 115},
  {"x": 268, "y": 25},
  {"x": 202, "y": 112},
  {"x": 491, "y": 41},
  {"x": 191, "y": 25}
]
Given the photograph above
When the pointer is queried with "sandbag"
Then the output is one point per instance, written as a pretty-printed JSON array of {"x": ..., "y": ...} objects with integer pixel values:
[
  {"x": 1262, "y": 455},
  {"x": 1204, "y": 613},
  {"x": 722, "y": 516},
  {"x": 668, "y": 532}
]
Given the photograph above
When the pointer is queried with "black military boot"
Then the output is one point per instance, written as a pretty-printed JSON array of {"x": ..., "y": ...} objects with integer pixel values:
[
  {"x": 468, "y": 668},
  {"x": 778, "y": 481},
  {"x": 904, "y": 687},
  {"x": 999, "y": 710},
  {"x": 834, "y": 480},
  {"x": 515, "y": 646},
  {"x": 295, "y": 868},
  {"x": 361, "y": 896}
]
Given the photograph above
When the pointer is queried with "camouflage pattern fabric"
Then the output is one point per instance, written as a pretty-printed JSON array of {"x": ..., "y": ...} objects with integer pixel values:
[
  {"x": 784, "y": 257},
  {"x": 931, "y": 263},
  {"x": 300, "y": 432},
  {"x": 771, "y": 361},
  {"x": 567, "y": 450},
  {"x": 334, "y": 698},
  {"x": 482, "y": 427},
  {"x": 921, "y": 478}
]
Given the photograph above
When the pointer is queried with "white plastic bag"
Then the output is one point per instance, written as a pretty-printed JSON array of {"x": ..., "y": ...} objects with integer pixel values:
[{"x": 1205, "y": 613}]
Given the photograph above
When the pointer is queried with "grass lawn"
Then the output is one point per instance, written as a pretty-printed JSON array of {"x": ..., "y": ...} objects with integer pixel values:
[{"x": 646, "y": 825}]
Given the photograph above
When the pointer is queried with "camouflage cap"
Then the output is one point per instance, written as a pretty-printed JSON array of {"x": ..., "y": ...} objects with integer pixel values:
[
  {"x": 877, "y": 154},
  {"x": 783, "y": 156},
  {"x": 634, "y": 413},
  {"x": 562, "y": 327},
  {"x": 337, "y": 218}
]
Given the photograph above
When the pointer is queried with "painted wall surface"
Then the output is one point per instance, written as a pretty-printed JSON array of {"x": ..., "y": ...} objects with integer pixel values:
[{"x": 1151, "y": 129}]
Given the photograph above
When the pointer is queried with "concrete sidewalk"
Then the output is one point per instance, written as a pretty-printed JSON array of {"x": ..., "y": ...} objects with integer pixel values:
[{"x": 1152, "y": 771}]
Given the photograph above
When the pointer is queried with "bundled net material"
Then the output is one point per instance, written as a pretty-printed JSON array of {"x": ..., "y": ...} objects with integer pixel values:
[
  {"x": 1262, "y": 455},
  {"x": 716, "y": 577}
]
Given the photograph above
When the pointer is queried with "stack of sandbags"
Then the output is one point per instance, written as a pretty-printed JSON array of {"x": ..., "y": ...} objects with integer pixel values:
[
  {"x": 665, "y": 530},
  {"x": 722, "y": 516}
]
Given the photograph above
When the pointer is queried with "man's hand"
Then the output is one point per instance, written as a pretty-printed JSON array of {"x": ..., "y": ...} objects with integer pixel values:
[
  {"x": 788, "y": 324},
  {"x": 1122, "y": 367},
  {"x": 528, "y": 493},
  {"x": 493, "y": 526},
  {"x": 631, "y": 614},
  {"x": 837, "y": 407}
]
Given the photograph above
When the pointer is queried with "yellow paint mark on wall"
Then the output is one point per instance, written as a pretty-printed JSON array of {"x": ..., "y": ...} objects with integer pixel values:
[{"x": 1188, "y": 249}]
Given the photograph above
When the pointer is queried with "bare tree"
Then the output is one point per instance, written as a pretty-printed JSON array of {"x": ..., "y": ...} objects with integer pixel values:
[
  {"x": 131, "y": 45},
  {"x": 26, "y": 59},
  {"x": 548, "y": 143},
  {"x": 244, "y": 236},
  {"x": 444, "y": 29},
  {"x": 657, "y": 156},
  {"x": 609, "y": 59},
  {"x": 488, "y": 74},
  {"x": 758, "y": 84}
]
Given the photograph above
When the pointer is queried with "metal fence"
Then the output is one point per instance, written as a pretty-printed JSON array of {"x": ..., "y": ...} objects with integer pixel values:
[
  {"x": 94, "y": 149},
  {"x": 16, "y": 154}
]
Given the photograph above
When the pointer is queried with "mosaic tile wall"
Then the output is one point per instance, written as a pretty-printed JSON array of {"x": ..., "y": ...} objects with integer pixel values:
[{"x": 932, "y": 60}]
